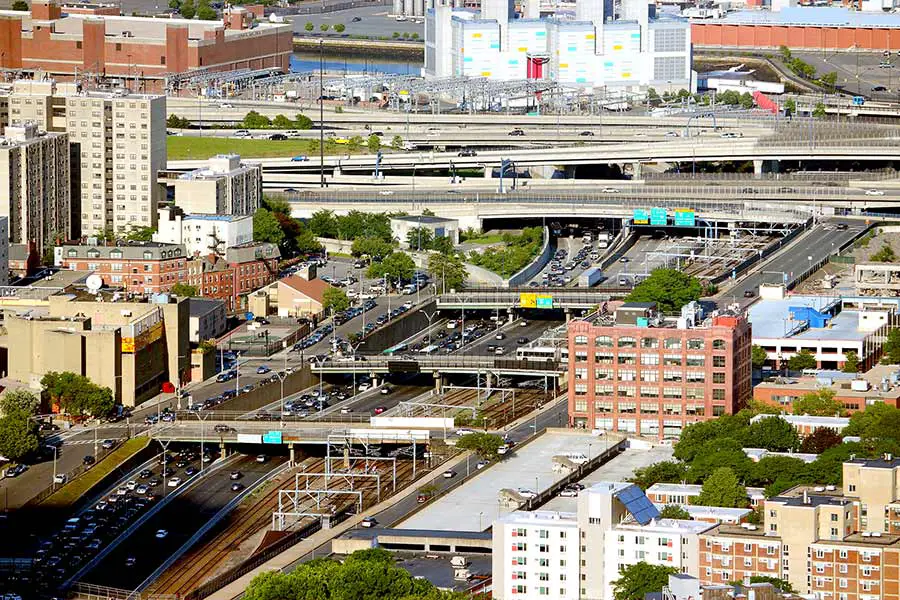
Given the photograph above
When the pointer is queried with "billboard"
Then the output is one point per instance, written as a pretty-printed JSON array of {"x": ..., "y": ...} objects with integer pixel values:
[
  {"x": 641, "y": 217},
  {"x": 658, "y": 216},
  {"x": 685, "y": 217},
  {"x": 249, "y": 438},
  {"x": 527, "y": 300}
]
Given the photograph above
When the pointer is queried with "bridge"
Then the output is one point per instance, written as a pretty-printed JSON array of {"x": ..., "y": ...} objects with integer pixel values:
[
  {"x": 288, "y": 433},
  {"x": 443, "y": 365},
  {"x": 530, "y": 297}
]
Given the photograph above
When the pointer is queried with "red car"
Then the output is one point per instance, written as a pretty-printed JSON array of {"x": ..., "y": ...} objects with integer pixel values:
[{"x": 379, "y": 409}]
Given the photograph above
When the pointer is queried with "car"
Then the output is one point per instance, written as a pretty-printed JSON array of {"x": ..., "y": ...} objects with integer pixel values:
[
  {"x": 503, "y": 449},
  {"x": 299, "y": 158},
  {"x": 88, "y": 460},
  {"x": 587, "y": 134},
  {"x": 517, "y": 132},
  {"x": 241, "y": 133},
  {"x": 237, "y": 487},
  {"x": 481, "y": 464},
  {"x": 500, "y": 336},
  {"x": 841, "y": 227},
  {"x": 153, "y": 482},
  {"x": 386, "y": 192},
  {"x": 234, "y": 475},
  {"x": 749, "y": 293},
  {"x": 131, "y": 485},
  {"x": 522, "y": 340},
  {"x": 289, "y": 371},
  {"x": 278, "y": 137},
  {"x": 731, "y": 135},
  {"x": 569, "y": 492},
  {"x": 107, "y": 444},
  {"x": 526, "y": 493},
  {"x": 449, "y": 474},
  {"x": 190, "y": 471},
  {"x": 672, "y": 134},
  {"x": 346, "y": 410},
  {"x": 467, "y": 152},
  {"x": 141, "y": 490},
  {"x": 368, "y": 522},
  {"x": 610, "y": 190},
  {"x": 356, "y": 19},
  {"x": 499, "y": 350},
  {"x": 364, "y": 386},
  {"x": 174, "y": 482},
  {"x": 131, "y": 561},
  {"x": 885, "y": 65},
  {"x": 262, "y": 321},
  {"x": 15, "y": 471},
  {"x": 60, "y": 478},
  {"x": 523, "y": 323},
  {"x": 879, "y": 88},
  {"x": 624, "y": 259},
  {"x": 262, "y": 370},
  {"x": 261, "y": 458},
  {"x": 379, "y": 409},
  {"x": 874, "y": 192},
  {"x": 161, "y": 534}
]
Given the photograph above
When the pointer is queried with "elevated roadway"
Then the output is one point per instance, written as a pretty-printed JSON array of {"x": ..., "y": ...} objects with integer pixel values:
[{"x": 513, "y": 298}]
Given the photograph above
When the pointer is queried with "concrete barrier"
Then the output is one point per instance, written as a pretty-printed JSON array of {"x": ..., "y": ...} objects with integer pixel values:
[
  {"x": 530, "y": 270},
  {"x": 417, "y": 422}
]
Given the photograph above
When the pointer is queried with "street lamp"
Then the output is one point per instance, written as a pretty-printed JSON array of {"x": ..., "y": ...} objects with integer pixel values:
[{"x": 202, "y": 420}]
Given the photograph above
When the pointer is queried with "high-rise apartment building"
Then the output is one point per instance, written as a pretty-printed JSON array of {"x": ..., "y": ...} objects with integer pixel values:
[
  {"x": 34, "y": 185},
  {"x": 225, "y": 186},
  {"x": 638, "y": 372}
]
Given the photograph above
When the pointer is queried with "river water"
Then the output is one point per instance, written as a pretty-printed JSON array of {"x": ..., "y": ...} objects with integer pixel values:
[{"x": 309, "y": 61}]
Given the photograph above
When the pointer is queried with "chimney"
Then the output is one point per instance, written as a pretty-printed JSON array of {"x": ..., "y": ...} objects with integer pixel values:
[{"x": 805, "y": 496}]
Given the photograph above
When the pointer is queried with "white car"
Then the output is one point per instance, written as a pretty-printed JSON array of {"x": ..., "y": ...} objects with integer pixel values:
[
  {"x": 526, "y": 493},
  {"x": 131, "y": 485},
  {"x": 59, "y": 478},
  {"x": 368, "y": 522},
  {"x": 462, "y": 432},
  {"x": 449, "y": 474},
  {"x": 175, "y": 482},
  {"x": 610, "y": 190},
  {"x": 568, "y": 493},
  {"x": 161, "y": 534},
  {"x": 364, "y": 386},
  {"x": 346, "y": 410},
  {"x": 386, "y": 192},
  {"x": 874, "y": 192}
]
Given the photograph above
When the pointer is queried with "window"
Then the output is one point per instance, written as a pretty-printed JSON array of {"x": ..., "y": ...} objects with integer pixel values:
[
  {"x": 718, "y": 361},
  {"x": 581, "y": 339},
  {"x": 718, "y": 377},
  {"x": 649, "y": 342},
  {"x": 672, "y": 344},
  {"x": 603, "y": 341},
  {"x": 627, "y": 342},
  {"x": 695, "y": 344},
  {"x": 718, "y": 344}
]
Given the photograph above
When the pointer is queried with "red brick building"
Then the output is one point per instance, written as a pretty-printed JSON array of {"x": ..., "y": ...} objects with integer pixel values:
[
  {"x": 636, "y": 372},
  {"x": 61, "y": 43},
  {"x": 140, "y": 267},
  {"x": 230, "y": 278}
]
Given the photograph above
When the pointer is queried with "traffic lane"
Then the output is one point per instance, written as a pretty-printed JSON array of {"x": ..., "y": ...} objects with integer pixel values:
[
  {"x": 181, "y": 519},
  {"x": 637, "y": 258},
  {"x": 512, "y": 333},
  {"x": 399, "y": 393}
]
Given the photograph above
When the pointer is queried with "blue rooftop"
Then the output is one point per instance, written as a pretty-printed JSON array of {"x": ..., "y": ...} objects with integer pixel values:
[{"x": 812, "y": 16}]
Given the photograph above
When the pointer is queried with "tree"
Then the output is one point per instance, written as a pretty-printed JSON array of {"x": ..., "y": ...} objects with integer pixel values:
[
  {"x": 175, "y": 4},
  {"x": 254, "y": 120},
  {"x": 419, "y": 238},
  {"x": 829, "y": 79},
  {"x": 395, "y": 35},
  {"x": 790, "y": 106},
  {"x": 891, "y": 347},
  {"x": 670, "y": 289},
  {"x": 819, "y": 111},
  {"x": 398, "y": 265},
  {"x": 176, "y": 122},
  {"x": 187, "y": 9},
  {"x": 282, "y": 122},
  {"x": 375, "y": 248},
  {"x": 820, "y": 440},
  {"x": 20, "y": 5},
  {"x": 864, "y": 421},
  {"x": 373, "y": 143},
  {"x": 722, "y": 488},
  {"x": 303, "y": 122},
  {"x": 886, "y": 254},
  {"x": 773, "y": 433},
  {"x": 19, "y": 434},
  {"x": 396, "y": 143},
  {"x": 140, "y": 234},
  {"x": 637, "y": 580},
  {"x": 448, "y": 271},
  {"x": 340, "y": 27},
  {"x": 485, "y": 444},
  {"x": 309, "y": 26},
  {"x": 442, "y": 244},
  {"x": 851, "y": 365},
  {"x": 324, "y": 27},
  {"x": 306, "y": 242},
  {"x": 758, "y": 356},
  {"x": 674, "y": 511},
  {"x": 820, "y": 403},
  {"x": 266, "y": 227},
  {"x": 77, "y": 395},
  {"x": 184, "y": 290},
  {"x": 323, "y": 224},
  {"x": 662, "y": 472},
  {"x": 205, "y": 12},
  {"x": 781, "y": 584},
  {"x": 355, "y": 143},
  {"x": 334, "y": 299},
  {"x": 415, "y": 35},
  {"x": 802, "y": 360}
]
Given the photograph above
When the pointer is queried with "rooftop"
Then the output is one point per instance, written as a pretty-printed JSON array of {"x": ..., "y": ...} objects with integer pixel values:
[
  {"x": 811, "y": 500},
  {"x": 808, "y": 421},
  {"x": 884, "y": 462},
  {"x": 224, "y": 218},
  {"x": 368, "y": 534},
  {"x": 539, "y": 517},
  {"x": 125, "y": 250},
  {"x": 757, "y": 454},
  {"x": 202, "y": 306},
  {"x": 811, "y": 16},
  {"x": 688, "y": 489},
  {"x": 437, "y": 569},
  {"x": 673, "y": 525},
  {"x": 842, "y": 386},
  {"x": 773, "y": 319}
]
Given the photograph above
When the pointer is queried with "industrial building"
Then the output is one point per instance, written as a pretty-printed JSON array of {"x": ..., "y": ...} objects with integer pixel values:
[{"x": 639, "y": 49}]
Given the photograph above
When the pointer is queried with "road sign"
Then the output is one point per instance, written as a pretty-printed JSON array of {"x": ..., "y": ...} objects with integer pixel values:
[
  {"x": 272, "y": 437},
  {"x": 527, "y": 300},
  {"x": 858, "y": 100},
  {"x": 685, "y": 217},
  {"x": 250, "y": 316},
  {"x": 641, "y": 217},
  {"x": 658, "y": 216},
  {"x": 544, "y": 301}
]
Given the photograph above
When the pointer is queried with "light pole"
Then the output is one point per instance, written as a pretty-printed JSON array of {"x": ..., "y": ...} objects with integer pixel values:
[
  {"x": 202, "y": 420},
  {"x": 320, "y": 361},
  {"x": 355, "y": 348},
  {"x": 55, "y": 450}
]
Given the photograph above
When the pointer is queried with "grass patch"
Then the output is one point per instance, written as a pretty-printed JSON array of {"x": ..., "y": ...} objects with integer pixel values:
[
  {"x": 517, "y": 251},
  {"x": 197, "y": 148},
  {"x": 78, "y": 487}
]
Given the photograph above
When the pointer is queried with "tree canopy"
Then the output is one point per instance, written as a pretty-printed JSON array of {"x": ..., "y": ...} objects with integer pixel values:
[
  {"x": 266, "y": 227},
  {"x": 448, "y": 271},
  {"x": 19, "y": 435},
  {"x": 662, "y": 472},
  {"x": 820, "y": 403},
  {"x": 516, "y": 252},
  {"x": 183, "y": 289},
  {"x": 722, "y": 488},
  {"x": 758, "y": 356},
  {"x": 373, "y": 247},
  {"x": 670, "y": 289},
  {"x": 77, "y": 395},
  {"x": 334, "y": 299},
  {"x": 674, "y": 511},
  {"x": 820, "y": 440},
  {"x": 353, "y": 225},
  {"x": 485, "y": 444},
  {"x": 397, "y": 265},
  {"x": 891, "y": 348},
  {"x": 802, "y": 360},
  {"x": 637, "y": 580}
]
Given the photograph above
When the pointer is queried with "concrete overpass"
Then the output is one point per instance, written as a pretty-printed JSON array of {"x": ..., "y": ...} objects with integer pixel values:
[
  {"x": 442, "y": 365},
  {"x": 293, "y": 432},
  {"x": 529, "y": 297}
]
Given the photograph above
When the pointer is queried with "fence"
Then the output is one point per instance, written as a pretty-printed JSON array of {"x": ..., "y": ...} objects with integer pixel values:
[{"x": 798, "y": 176}]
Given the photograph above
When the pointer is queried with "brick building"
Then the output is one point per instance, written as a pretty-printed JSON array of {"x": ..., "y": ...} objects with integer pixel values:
[
  {"x": 637, "y": 372},
  {"x": 60, "y": 42},
  {"x": 230, "y": 278},
  {"x": 139, "y": 267}
]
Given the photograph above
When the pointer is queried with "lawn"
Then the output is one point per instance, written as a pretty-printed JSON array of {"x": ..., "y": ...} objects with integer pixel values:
[
  {"x": 78, "y": 487},
  {"x": 197, "y": 148}
]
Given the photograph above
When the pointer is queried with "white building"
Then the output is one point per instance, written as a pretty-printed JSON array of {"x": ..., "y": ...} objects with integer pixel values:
[
  {"x": 207, "y": 320},
  {"x": 628, "y": 54},
  {"x": 438, "y": 226},
  {"x": 203, "y": 234},
  {"x": 682, "y": 493},
  {"x": 563, "y": 555},
  {"x": 225, "y": 186},
  {"x": 734, "y": 79}
]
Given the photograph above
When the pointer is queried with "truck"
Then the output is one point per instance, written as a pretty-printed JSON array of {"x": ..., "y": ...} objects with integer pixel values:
[
  {"x": 590, "y": 277},
  {"x": 603, "y": 238}
]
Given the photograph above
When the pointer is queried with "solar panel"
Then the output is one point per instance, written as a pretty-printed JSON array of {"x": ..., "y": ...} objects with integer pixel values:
[{"x": 638, "y": 504}]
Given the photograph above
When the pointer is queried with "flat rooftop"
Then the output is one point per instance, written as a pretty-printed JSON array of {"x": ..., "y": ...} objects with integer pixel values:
[
  {"x": 841, "y": 386},
  {"x": 771, "y": 320},
  {"x": 437, "y": 569},
  {"x": 473, "y": 505},
  {"x": 812, "y": 16}
]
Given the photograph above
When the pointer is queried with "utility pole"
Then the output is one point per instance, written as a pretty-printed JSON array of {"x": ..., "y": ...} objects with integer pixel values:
[{"x": 321, "y": 114}]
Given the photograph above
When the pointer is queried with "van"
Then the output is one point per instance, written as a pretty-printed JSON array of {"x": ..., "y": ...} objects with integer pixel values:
[{"x": 578, "y": 458}]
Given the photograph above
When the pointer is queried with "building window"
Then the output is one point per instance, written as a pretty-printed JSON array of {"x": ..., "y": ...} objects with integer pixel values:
[
  {"x": 581, "y": 339},
  {"x": 718, "y": 361},
  {"x": 603, "y": 341}
]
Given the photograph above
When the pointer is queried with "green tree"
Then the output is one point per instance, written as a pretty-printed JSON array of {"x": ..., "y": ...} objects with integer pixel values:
[
  {"x": 254, "y": 120},
  {"x": 674, "y": 511},
  {"x": 395, "y": 35},
  {"x": 774, "y": 434},
  {"x": 419, "y": 238},
  {"x": 771, "y": 469},
  {"x": 20, "y": 5},
  {"x": 785, "y": 52},
  {"x": 282, "y": 122},
  {"x": 819, "y": 111},
  {"x": 637, "y": 580},
  {"x": 339, "y": 27},
  {"x": 355, "y": 143},
  {"x": 175, "y": 4},
  {"x": 140, "y": 234},
  {"x": 851, "y": 365},
  {"x": 19, "y": 435},
  {"x": 398, "y": 265},
  {"x": 758, "y": 356},
  {"x": 185, "y": 290},
  {"x": 414, "y": 36},
  {"x": 790, "y": 106},
  {"x": 820, "y": 403},
  {"x": 324, "y": 27},
  {"x": 442, "y": 244},
  {"x": 375, "y": 248},
  {"x": 205, "y": 12},
  {"x": 722, "y": 488},
  {"x": 746, "y": 101},
  {"x": 802, "y": 360},
  {"x": 306, "y": 242},
  {"x": 781, "y": 584},
  {"x": 187, "y": 9},
  {"x": 448, "y": 271},
  {"x": 302, "y": 122},
  {"x": 829, "y": 79},
  {"x": 323, "y": 224},
  {"x": 485, "y": 444},
  {"x": 886, "y": 254},
  {"x": 77, "y": 395},
  {"x": 396, "y": 142},
  {"x": 670, "y": 289},
  {"x": 891, "y": 348},
  {"x": 176, "y": 122},
  {"x": 373, "y": 143},
  {"x": 309, "y": 26},
  {"x": 864, "y": 421},
  {"x": 662, "y": 472},
  {"x": 266, "y": 227},
  {"x": 335, "y": 299},
  {"x": 820, "y": 440}
]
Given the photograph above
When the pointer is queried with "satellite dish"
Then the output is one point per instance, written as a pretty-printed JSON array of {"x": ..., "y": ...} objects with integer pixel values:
[{"x": 94, "y": 283}]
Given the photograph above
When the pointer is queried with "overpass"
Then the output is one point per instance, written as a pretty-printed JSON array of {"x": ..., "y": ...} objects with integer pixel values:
[
  {"x": 287, "y": 434},
  {"x": 442, "y": 365},
  {"x": 530, "y": 297}
]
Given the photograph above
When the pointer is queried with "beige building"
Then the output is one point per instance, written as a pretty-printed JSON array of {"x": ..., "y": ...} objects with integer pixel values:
[
  {"x": 226, "y": 186},
  {"x": 131, "y": 347},
  {"x": 34, "y": 185},
  {"x": 120, "y": 142}
]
